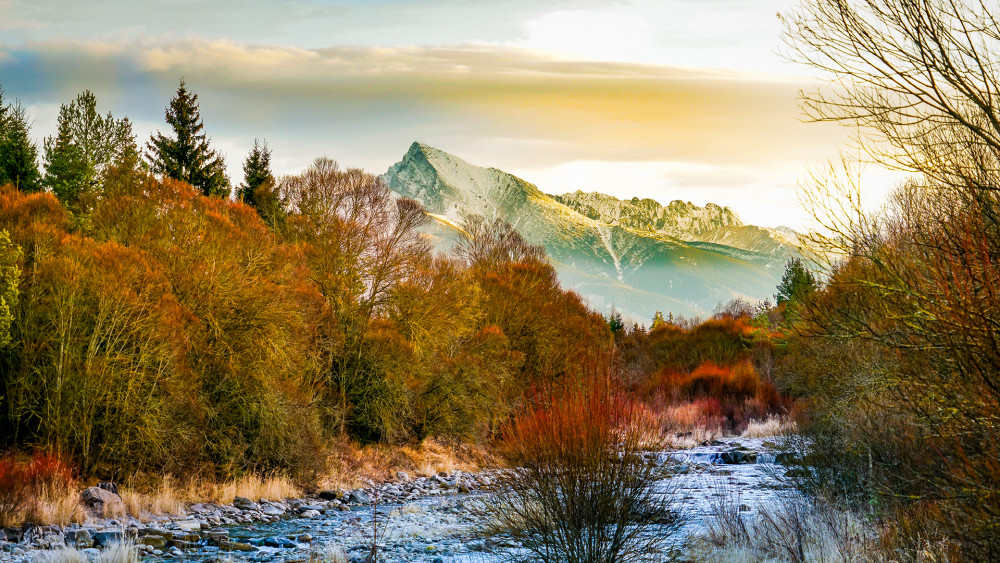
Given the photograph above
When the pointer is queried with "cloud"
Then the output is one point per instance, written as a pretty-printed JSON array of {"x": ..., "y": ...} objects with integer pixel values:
[
  {"x": 513, "y": 108},
  {"x": 596, "y": 110}
]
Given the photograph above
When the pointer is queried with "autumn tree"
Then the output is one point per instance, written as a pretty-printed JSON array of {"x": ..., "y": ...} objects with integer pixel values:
[
  {"x": 361, "y": 243},
  {"x": 85, "y": 145},
  {"x": 557, "y": 336},
  {"x": 187, "y": 155},
  {"x": 916, "y": 80}
]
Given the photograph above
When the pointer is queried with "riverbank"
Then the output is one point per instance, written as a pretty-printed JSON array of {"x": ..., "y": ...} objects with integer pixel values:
[{"x": 412, "y": 517}]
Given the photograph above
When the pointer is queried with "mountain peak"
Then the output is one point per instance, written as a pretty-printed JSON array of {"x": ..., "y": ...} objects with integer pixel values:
[{"x": 450, "y": 186}]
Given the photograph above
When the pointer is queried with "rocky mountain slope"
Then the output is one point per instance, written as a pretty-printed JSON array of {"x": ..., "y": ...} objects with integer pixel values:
[
  {"x": 685, "y": 221},
  {"x": 621, "y": 264}
]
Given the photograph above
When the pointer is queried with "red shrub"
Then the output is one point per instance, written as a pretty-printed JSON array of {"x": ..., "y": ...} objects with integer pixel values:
[{"x": 22, "y": 480}]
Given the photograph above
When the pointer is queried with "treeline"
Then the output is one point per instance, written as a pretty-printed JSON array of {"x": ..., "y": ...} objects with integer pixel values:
[{"x": 152, "y": 322}]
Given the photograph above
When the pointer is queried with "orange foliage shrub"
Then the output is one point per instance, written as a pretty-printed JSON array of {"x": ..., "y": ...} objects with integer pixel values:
[{"x": 706, "y": 375}]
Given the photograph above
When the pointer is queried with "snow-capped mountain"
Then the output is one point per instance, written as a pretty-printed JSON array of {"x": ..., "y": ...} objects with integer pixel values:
[{"x": 629, "y": 257}]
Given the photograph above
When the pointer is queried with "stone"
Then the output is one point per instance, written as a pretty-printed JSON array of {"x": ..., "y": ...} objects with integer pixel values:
[
  {"x": 110, "y": 487},
  {"x": 738, "y": 457},
  {"x": 236, "y": 546},
  {"x": 271, "y": 510},
  {"x": 280, "y": 542},
  {"x": 100, "y": 501},
  {"x": 79, "y": 537},
  {"x": 154, "y": 541},
  {"x": 305, "y": 538},
  {"x": 105, "y": 538},
  {"x": 245, "y": 504},
  {"x": 310, "y": 514},
  {"x": 359, "y": 497},
  {"x": 329, "y": 495},
  {"x": 182, "y": 544},
  {"x": 402, "y": 476},
  {"x": 188, "y": 525}
]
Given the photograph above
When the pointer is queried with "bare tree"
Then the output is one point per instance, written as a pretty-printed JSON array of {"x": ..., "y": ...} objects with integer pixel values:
[{"x": 917, "y": 79}]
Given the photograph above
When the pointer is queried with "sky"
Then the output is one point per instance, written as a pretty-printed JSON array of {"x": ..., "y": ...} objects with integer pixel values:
[{"x": 668, "y": 99}]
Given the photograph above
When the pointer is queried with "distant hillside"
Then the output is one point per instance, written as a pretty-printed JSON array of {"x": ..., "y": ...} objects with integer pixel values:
[{"x": 622, "y": 264}]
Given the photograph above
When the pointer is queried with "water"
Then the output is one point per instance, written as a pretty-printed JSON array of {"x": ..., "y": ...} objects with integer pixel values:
[{"x": 440, "y": 528}]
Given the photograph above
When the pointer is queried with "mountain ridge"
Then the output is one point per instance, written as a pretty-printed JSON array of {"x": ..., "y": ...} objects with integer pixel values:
[{"x": 635, "y": 270}]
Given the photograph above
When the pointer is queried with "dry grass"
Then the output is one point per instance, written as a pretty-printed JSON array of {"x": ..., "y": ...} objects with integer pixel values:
[
  {"x": 354, "y": 466},
  {"x": 67, "y": 555},
  {"x": 797, "y": 531},
  {"x": 328, "y": 553},
  {"x": 145, "y": 498},
  {"x": 56, "y": 506},
  {"x": 773, "y": 426},
  {"x": 273, "y": 487},
  {"x": 169, "y": 497}
]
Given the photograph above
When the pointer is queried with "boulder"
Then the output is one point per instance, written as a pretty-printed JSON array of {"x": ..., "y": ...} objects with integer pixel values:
[
  {"x": 79, "y": 538},
  {"x": 188, "y": 525},
  {"x": 101, "y": 501},
  {"x": 236, "y": 546},
  {"x": 158, "y": 542},
  {"x": 105, "y": 538},
  {"x": 245, "y": 504},
  {"x": 329, "y": 495},
  {"x": 738, "y": 457},
  {"x": 110, "y": 487},
  {"x": 358, "y": 497},
  {"x": 279, "y": 542}
]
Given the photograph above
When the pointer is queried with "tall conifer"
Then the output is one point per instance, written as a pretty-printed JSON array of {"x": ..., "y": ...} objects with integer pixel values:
[
  {"x": 18, "y": 155},
  {"x": 86, "y": 145},
  {"x": 187, "y": 155},
  {"x": 256, "y": 173}
]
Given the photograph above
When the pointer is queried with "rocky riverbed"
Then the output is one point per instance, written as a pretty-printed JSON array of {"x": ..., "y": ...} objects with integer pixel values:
[{"x": 424, "y": 519}]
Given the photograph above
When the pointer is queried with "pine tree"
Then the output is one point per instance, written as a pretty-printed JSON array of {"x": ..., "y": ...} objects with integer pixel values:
[
  {"x": 86, "y": 145},
  {"x": 257, "y": 175},
  {"x": 188, "y": 157},
  {"x": 658, "y": 319},
  {"x": 65, "y": 168},
  {"x": 18, "y": 155},
  {"x": 796, "y": 283}
]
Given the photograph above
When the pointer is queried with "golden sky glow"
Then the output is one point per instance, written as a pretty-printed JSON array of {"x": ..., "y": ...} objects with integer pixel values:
[{"x": 677, "y": 99}]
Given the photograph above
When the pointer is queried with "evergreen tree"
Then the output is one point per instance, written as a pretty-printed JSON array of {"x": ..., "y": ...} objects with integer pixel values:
[
  {"x": 257, "y": 175},
  {"x": 615, "y": 322},
  {"x": 18, "y": 155},
  {"x": 65, "y": 168},
  {"x": 658, "y": 319},
  {"x": 796, "y": 283},
  {"x": 187, "y": 156},
  {"x": 86, "y": 145}
]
